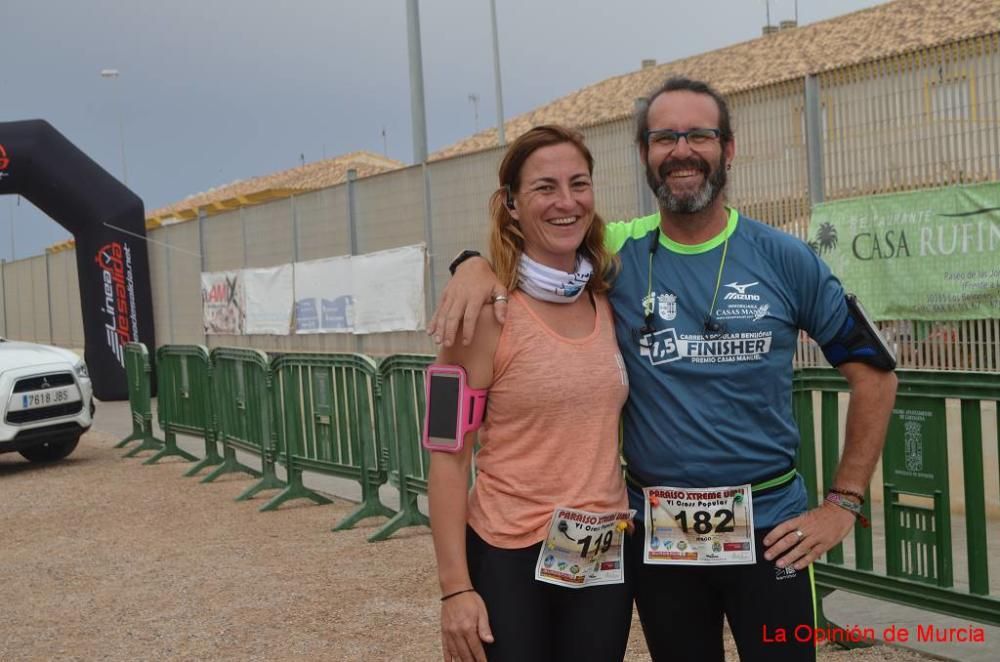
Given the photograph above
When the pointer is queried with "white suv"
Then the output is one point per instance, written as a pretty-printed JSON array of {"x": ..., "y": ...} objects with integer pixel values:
[{"x": 46, "y": 400}]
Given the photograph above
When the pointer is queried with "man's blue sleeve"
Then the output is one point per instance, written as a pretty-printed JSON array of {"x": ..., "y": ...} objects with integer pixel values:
[{"x": 822, "y": 307}]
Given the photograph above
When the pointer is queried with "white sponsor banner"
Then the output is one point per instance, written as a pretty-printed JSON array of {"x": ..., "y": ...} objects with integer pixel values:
[
  {"x": 269, "y": 300},
  {"x": 223, "y": 302},
  {"x": 389, "y": 290},
  {"x": 324, "y": 302}
]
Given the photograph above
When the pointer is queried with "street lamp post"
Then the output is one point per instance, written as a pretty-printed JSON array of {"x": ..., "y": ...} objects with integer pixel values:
[
  {"x": 496, "y": 73},
  {"x": 113, "y": 74},
  {"x": 13, "y": 250}
]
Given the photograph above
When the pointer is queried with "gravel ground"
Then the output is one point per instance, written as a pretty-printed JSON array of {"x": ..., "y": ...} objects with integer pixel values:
[{"x": 104, "y": 559}]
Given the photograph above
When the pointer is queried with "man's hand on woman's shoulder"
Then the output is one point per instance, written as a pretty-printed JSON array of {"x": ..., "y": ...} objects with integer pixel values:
[{"x": 473, "y": 286}]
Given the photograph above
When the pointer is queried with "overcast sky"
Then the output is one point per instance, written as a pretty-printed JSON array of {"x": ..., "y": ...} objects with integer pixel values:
[{"x": 211, "y": 91}]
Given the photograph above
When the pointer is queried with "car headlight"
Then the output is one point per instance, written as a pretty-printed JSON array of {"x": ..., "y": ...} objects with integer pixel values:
[{"x": 81, "y": 370}]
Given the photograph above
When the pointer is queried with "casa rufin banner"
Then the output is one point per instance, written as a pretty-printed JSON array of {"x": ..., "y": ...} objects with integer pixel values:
[{"x": 924, "y": 255}]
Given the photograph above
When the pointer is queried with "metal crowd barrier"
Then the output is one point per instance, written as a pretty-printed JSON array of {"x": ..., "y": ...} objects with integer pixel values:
[
  {"x": 327, "y": 404},
  {"x": 916, "y": 517},
  {"x": 401, "y": 416},
  {"x": 241, "y": 385},
  {"x": 321, "y": 408},
  {"x": 184, "y": 398},
  {"x": 137, "y": 373}
]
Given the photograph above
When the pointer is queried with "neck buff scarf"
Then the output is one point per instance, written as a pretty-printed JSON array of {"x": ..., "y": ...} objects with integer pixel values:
[{"x": 547, "y": 284}]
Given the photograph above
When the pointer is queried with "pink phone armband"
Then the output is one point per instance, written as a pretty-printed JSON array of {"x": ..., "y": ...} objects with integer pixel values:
[{"x": 452, "y": 408}]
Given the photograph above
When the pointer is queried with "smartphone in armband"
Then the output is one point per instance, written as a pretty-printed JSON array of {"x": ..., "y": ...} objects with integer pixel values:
[
  {"x": 860, "y": 314},
  {"x": 452, "y": 408}
]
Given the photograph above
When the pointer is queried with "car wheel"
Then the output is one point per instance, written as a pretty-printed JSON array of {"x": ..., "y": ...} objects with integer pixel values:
[{"x": 50, "y": 451}]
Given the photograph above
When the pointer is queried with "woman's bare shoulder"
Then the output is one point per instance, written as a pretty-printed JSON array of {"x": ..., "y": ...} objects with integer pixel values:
[{"x": 483, "y": 344}]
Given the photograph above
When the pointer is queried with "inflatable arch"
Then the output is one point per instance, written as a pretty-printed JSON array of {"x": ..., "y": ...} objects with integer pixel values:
[{"x": 108, "y": 223}]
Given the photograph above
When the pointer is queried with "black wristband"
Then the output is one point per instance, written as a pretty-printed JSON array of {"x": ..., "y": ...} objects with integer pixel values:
[
  {"x": 451, "y": 595},
  {"x": 462, "y": 257}
]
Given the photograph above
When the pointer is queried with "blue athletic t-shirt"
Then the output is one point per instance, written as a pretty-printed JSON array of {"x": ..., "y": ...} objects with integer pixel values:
[{"x": 713, "y": 407}]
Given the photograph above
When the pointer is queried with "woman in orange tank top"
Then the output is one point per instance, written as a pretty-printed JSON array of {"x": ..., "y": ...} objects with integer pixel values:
[{"x": 530, "y": 561}]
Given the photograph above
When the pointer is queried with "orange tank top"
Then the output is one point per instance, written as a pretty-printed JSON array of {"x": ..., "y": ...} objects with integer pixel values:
[{"x": 550, "y": 437}]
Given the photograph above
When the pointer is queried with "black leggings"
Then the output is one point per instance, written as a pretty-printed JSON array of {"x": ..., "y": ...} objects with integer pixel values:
[
  {"x": 681, "y": 608},
  {"x": 533, "y": 620}
]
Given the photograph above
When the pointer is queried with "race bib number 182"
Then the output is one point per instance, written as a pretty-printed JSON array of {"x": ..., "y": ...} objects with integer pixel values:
[{"x": 704, "y": 526}]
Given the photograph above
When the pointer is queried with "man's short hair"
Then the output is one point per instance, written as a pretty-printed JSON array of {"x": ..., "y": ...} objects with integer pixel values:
[{"x": 675, "y": 84}]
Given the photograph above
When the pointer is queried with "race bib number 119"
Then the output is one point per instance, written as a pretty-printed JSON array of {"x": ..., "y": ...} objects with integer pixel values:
[{"x": 583, "y": 548}]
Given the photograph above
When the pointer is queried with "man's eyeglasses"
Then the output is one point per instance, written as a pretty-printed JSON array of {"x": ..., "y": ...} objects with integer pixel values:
[{"x": 670, "y": 138}]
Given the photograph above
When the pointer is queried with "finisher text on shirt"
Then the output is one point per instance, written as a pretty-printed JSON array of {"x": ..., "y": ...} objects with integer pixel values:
[{"x": 727, "y": 347}]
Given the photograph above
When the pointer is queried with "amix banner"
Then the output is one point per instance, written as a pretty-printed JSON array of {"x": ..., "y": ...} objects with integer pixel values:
[{"x": 108, "y": 223}]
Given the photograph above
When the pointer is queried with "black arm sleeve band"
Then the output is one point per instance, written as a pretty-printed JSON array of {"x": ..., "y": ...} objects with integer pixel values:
[{"x": 859, "y": 340}]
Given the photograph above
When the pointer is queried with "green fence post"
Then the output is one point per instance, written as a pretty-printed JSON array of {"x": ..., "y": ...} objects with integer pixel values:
[
  {"x": 975, "y": 498},
  {"x": 830, "y": 440},
  {"x": 863, "y": 547},
  {"x": 945, "y": 566},
  {"x": 137, "y": 371}
]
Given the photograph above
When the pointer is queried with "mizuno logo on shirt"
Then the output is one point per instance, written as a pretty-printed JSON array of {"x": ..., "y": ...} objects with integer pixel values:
[
  {"x": 742, "y": 289},
  {"x": 741, "y": 292}
]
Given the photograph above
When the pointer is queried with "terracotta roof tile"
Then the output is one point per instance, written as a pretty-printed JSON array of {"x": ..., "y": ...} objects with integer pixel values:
[
  {"x": 862, "y": 36},
  {"x": 308, "y": 177}
]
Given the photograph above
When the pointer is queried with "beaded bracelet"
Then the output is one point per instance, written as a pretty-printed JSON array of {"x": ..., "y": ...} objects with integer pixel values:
[
  {"x": 838, "y": 499},
  {"x": 451, "y": 595},
  {"x": 857, "y": 495}
]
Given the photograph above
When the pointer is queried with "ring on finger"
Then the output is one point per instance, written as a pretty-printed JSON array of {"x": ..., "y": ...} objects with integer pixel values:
[
  {"x": 798, "y": 532},
  {"x": 498, "y": 298}
]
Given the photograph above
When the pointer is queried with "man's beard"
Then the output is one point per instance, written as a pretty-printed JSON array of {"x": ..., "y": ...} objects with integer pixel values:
[{"x": 715, "y": 182}]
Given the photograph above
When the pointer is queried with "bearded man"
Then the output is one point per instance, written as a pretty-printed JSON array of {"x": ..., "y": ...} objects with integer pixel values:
[{"x": 708, "y": 308}]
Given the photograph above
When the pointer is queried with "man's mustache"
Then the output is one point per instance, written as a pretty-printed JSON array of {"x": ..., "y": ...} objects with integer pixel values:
[{"x": 673, "y": 165}]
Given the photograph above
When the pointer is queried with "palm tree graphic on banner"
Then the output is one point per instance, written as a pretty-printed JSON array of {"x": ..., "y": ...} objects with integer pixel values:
[{"x": 826, "y": 239}]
